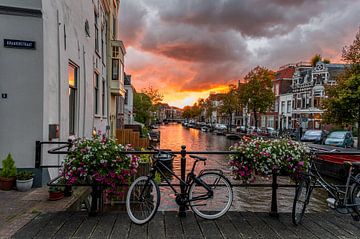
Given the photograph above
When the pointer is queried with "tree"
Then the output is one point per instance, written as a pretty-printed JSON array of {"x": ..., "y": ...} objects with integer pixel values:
[
  {"x": 142, "y": 108},
  {"x": 342, "y": 106},
  {"x": 155, "y": 96},
  {"x": 209, "y": 109},
  {"x": 257, "y": 92},
  {"x": 316, "y": 58},
  {"x": 230, "y": 103}
]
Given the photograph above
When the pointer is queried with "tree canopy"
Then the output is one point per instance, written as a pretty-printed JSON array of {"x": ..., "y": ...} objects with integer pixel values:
[
  {"x": 257, "y": 92},
  {"x": 342, "y": 106},
  {"x": 142, "y": 108},
  {"x": 316, "y": 58}
]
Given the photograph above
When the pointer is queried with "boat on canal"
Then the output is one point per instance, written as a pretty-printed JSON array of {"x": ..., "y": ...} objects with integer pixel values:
[{"x": 332, "y": 164}]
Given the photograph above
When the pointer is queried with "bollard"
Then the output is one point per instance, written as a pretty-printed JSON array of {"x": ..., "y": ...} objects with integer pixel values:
[
  {"x": 182, "y": 212},
  {"x": 274, "y": 186}
]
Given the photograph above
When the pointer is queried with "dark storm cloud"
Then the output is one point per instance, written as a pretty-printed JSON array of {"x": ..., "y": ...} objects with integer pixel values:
[
  {"x": 186, "y": 43},
  {"x": 133, "y": 21},
  {"x": 215, "y": 42},
  {"x": 252, "y": 18}
]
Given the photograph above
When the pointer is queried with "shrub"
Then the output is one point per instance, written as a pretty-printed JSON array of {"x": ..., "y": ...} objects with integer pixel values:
[
  {"x": 8, "y": 167},
  {"x": 24, "y": 175}
]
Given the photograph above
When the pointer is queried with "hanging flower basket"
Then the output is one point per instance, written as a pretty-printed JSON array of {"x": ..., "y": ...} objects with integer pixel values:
[
  {"x": 99, "y": 161},
  {"x": 260, "y": 157}
]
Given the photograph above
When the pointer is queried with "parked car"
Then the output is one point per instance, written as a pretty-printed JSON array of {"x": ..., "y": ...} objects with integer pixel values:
[
  {"x": 272, "y": 132},
  {"x": 241, "y": 129},
  {"x": 340, "y": 138},
  {"x": 315, "y": 136},
  {"x": 220, "y": 127}
]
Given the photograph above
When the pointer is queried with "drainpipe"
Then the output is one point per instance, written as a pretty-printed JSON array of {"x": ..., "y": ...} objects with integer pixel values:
[
  {"x": 84, "y": 116},
  {"x": 59, "y": 76}
]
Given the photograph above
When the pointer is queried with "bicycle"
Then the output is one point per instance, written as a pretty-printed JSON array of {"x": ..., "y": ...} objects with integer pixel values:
[
  {"x": 209, "y": 194},
  {"x": 344, "y": 199}
]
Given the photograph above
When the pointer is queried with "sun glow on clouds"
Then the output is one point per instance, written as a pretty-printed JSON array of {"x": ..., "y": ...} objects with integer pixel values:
[{"x": 181, "y": 99}]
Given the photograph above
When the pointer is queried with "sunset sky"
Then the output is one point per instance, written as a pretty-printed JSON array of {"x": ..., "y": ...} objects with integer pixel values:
[{"x": 188, "y": 48}]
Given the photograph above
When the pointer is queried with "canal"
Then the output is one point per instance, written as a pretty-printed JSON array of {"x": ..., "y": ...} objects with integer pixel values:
[{"x": 245, "y": 199}]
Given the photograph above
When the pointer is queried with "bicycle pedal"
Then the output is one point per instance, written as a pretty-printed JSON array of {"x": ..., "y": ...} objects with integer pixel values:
[{"x": 331, "y": 202}]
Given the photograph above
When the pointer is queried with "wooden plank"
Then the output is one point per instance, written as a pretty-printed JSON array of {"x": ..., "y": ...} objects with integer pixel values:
[
  {"x": 173, "y": 228},
  {"x": 70, "y": 227},
  {"x": 301, "y": 231},
  {"x": 56, "y": 222},
  {"x": 138, "y": 231},
  {"x": 319, "y": 218},
  {"x": 121, "y": 226},
  {"x": 227, "y": 229},
  {"x": 276, "y": 225},
  {"x": 156, "y": 228},
  {"x": 315, "y": 228},
  {"x": 136, "y": 139},
  {"x": 86, "y": 228},
  {"x": 244, "y": 229},
  {"x": 344, "y": 224},
  {"x": 264, "y": 230},
  {"x": 105, "y": 226},
  {"x": 34, "y": 226},
  {"x": 190, "y": 226},
  {"x": 127, "y": 136},
  {"x": 209, "y": 228}
]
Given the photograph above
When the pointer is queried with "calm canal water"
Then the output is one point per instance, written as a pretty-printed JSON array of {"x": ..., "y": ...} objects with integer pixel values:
[{"x": 245, "y": 199}]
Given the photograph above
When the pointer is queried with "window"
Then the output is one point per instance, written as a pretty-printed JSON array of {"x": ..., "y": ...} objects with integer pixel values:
[
  {"x": 114, "y": 26},
  {"x": 102, "y": 45},
  {"x": 288, "y": 107},
  {"x": 103, "y": 99},
  {"x": 96, "y": 32},
  {"x": 126, "y": 97},
  {"x": 72, "y": 77},
  {"x": 115, "y": 69},
  {"x": 282, "y": 106},
  {"x": 96, "y": 93}
]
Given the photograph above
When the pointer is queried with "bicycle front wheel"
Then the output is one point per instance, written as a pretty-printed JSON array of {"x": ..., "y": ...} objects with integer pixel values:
[
  {"x": 215, "y": 206},
  {"x": 142, "y": 200},
  {"x": 302, "y": 196},
  {"x": 355, "y": 197}
]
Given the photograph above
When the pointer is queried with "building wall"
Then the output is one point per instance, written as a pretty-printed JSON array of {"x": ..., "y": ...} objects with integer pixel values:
[
  {"x": 129, "y": 105},
  {"x": 285, "y": 113},
  {"x": 21, "y": 113}
]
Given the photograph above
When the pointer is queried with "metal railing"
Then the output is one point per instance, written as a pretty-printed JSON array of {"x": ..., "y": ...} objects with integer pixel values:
[{"x": 183, "y": 153}]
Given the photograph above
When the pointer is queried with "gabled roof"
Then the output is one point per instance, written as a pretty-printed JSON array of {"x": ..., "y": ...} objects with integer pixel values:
[{"x": 286, "y": 73}]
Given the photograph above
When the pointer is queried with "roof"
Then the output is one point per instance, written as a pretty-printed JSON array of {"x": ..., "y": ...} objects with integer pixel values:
[{"x": 286, "y": 73}]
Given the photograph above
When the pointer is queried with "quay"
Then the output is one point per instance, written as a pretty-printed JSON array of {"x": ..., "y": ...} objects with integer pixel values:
[{"x": 169, "y": 225}]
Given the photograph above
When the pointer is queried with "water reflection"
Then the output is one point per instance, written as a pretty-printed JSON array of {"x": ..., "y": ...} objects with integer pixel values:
[{"x": 245, "y": 199}]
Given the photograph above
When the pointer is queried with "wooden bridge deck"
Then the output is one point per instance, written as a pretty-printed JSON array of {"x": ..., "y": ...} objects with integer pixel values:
[{"x": 168, "y": 225}]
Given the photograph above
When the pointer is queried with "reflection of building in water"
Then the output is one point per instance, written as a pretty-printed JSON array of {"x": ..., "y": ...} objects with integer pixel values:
[{"x": 308, "y": 84}]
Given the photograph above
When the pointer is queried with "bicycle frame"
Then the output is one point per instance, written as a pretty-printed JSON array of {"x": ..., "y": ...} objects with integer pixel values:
[
  {"x": 333, "y": 190},
  {"x": 191, "y": 177}
]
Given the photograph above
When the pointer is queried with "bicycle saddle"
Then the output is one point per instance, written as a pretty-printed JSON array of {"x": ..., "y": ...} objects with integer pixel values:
[
  {"x": 352, "y": 163},
  {"x": 198, "y": 157}
]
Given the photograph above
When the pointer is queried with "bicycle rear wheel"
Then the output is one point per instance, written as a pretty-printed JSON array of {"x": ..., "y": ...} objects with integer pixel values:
[
  {"x": 302, "y": 196},
  {"x": 142, "y": 200},
  {"x": 355, "y": 197},
  {"x": 218, "y": 204}
]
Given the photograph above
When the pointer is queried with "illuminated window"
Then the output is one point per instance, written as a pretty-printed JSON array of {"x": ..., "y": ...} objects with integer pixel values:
[{"x": 72, "y": 77}]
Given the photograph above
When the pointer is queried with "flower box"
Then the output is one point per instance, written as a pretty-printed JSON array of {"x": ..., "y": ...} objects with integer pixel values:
[{"x": 267, "y": 157}]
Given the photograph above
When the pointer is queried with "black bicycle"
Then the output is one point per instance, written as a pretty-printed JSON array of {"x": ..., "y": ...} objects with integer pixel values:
[
  {"x": 209, "y": 194},
  {"x": 343, "y": 198}
]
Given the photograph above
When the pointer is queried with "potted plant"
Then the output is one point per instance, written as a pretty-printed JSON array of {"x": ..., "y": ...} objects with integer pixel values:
[
  {"x": 56, "y": 193},
  {"x": 24, "y": 181},
  {"x": 8, "y": 173}
]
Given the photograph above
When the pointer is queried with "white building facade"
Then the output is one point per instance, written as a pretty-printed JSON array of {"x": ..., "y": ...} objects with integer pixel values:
[{"x": 60, "y": 83}]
